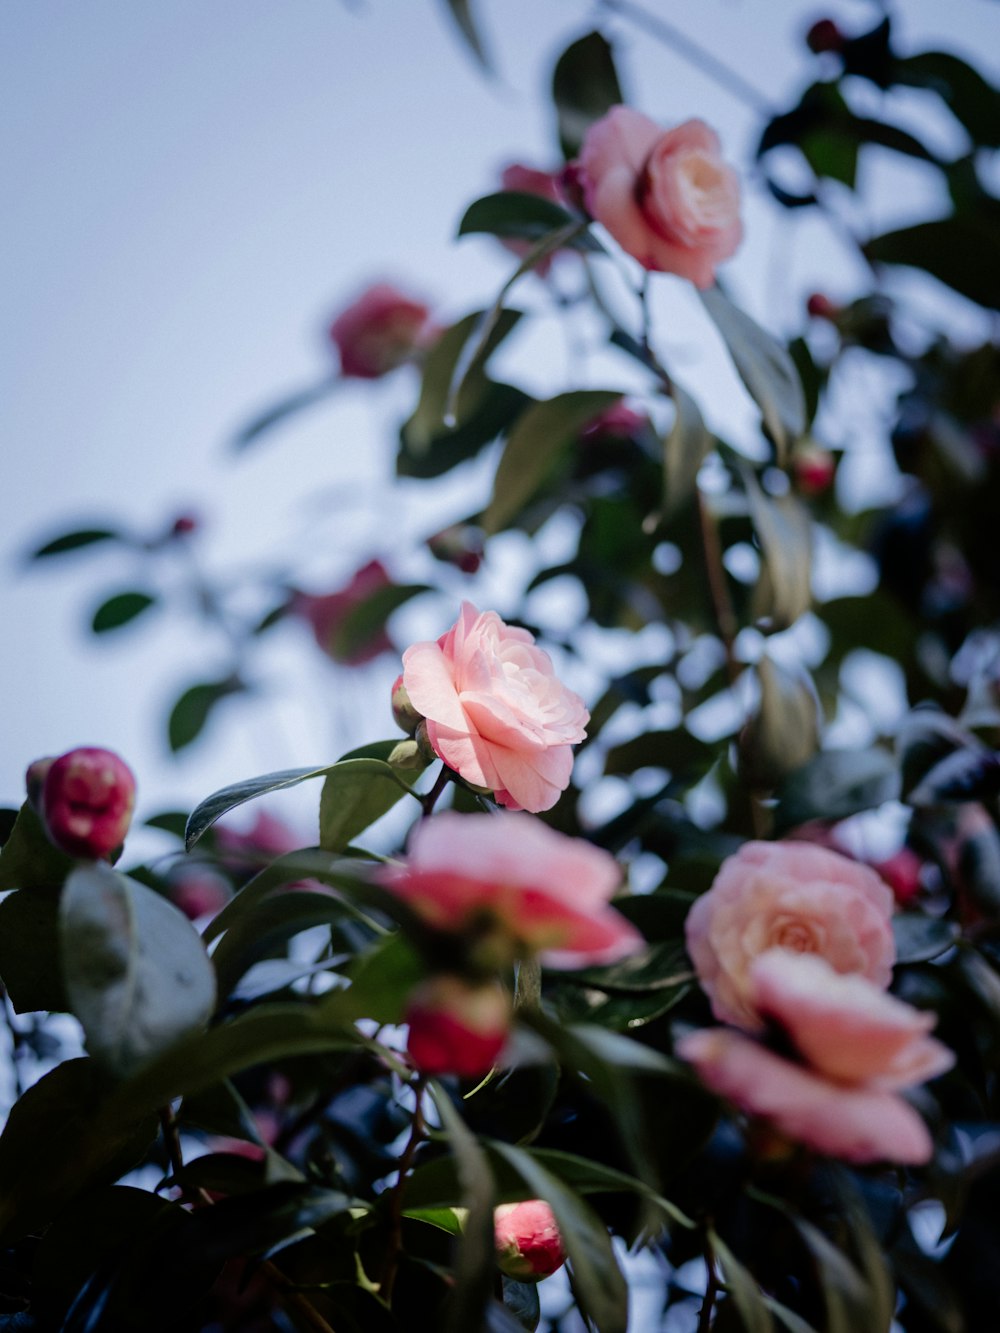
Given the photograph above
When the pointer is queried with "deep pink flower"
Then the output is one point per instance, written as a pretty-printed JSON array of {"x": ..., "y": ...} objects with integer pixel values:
[
  {"x": 496, "y": 713},
  {"x": 379, "y": 331},
  {"x": 790, "y": 895},
  {"x": 326, "y": 615},
  {"x": 518, "y": 882},
  {"x": 456, "y": 1026},
  {"x": 87, "y": 800},
  {"x": 528, "y": 1243},
  {"x": 617, "y": 422},
  {"x": 666, "y": 196}
]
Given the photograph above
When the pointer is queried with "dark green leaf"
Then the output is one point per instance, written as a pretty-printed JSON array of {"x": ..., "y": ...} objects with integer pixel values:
[
  {"x": 540, "y": 439},
  {"x": 783, "y": 732},
  {"x": 835, "y": 784},
  {"x": 191, "y": 711},
  {"x": 28, "y": 860},
  {"x": 521, "y": 1299},
  {"x": 253, "y": 1223},
  {"x": 73, "y": 541},
  {"x": 784, "y": 531},
  {"x": 173, "y": 822},
  {"x": 136, "y": 972},
  {"x": 919, "y": 938},
  {"x": 684, "y": 450},
  {"x": 850, "y": 1307},
  {"x": 584, "y": 86},
  {"x": 461, "y": 12},
  {"x": 119, "y": 610},
  {"x": 962, "y": 251},
  {"x": 926, "y": 738},
  {"x": 356, "y": 793},
  {"x": 766, "y": 369},
  {"x": 219, "y": 803},
  {"x": 973, "y": 101},
  {"x": 746, "y": 1295},
  {"x": 281, "y": 411},
  {"x": 513, "y": 213},
  {"x": 29, "y": 952}
]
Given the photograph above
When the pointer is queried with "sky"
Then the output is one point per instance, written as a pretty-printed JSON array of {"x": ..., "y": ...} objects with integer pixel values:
[{"x": 193, "y": 190}]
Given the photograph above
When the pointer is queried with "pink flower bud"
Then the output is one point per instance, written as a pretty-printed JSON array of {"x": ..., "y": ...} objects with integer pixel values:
[
  {"x": 824, "y": 35},
  {"x": 902, "y": 874},
  {"x": 813, "y": 470},
  {"x": 457, "y": 1027},
  {"x": 617, "y": 422},
  {"x": 378, "y": 332},
  {"x": 183, "y": 525},
  {"x": 528, "y": 1244},
  {"x": 87, "y": 800},
  {"x": 33, "y": 780},
  {"x": 404, "y": 714}
]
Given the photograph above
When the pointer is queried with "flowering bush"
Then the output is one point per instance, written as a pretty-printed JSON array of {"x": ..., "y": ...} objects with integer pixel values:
[{"x": 566, "y": 975}]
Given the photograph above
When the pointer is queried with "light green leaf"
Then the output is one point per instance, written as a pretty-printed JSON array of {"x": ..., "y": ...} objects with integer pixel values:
[{"x": 784, "y": 531}]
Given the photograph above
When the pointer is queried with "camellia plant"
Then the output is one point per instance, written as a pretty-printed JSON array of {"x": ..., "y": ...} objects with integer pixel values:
[{"x": 661, "y": 966}]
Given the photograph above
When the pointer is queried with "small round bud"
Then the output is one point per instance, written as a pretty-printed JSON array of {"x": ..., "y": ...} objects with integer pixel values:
[
  {"x": 824, "y": 35},
  {"x": 460, "y": 545},
  {"x": 199, "y": 892},
  {"x": 404, "y": 714},
  {"x": 819, "y": 306},
  {"x": 528, "y": 1244},
  {"x": 87, "y": 800},
  {"x": 406, "y": 755},
  {"x": 456, "y": 1026},
  {"x": 813, "y": 470},
  {"x": 33, "y": 780},
  {"x": 183, "y": 525},
  {"x": 421, "y": 736}
]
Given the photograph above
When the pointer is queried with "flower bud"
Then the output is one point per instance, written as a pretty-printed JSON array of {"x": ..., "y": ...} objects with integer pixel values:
[
  {"x": 87, "y": 800},
  {"x": 33, "y": 780},
  {"x": 528, "y": 1244},
  {"x": 460, "y": 545},
  {"x": 456, "y": 1026},
  {"x": 381, "y": 330},
  {"x": 824, "y": 35},
  {"x": 819, "y": 306},
  {"x": 427, "y": 750},
  {"x": 813, "y": 470},
  {"x": 184, "y": 525},
  {"x": 199, "y": 892},
  {"x": 406, "y": 755},
  {"x": 901, "y": 872},
  {"x": 404, "y": 714}
]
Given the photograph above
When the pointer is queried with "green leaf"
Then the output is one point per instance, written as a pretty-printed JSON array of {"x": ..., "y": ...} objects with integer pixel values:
[
  {"x": 28, "y": 860},
  {"x": 584, "y": 87},
  {"x": 746, "y": 1295},
  {"x": 381, "y": 980},
  {"x": 136, "y": 972},
  {"x": 119, "y": 610},
  {"x": 252, "y": 1223},
  {"x": 684, "y": 450},
  {"x": 461, "y": 12},
  {"x": 191, "y": 711},
  {"x": 973, "y": 101},
  {"x": 765, "y": 367},
  {"x": 29, "y": 952},
  {"x": 920, "y": 938},
  {"x": 542, "y": 436},
  {"x": 783, "y": 733},
  {"x": 356, "y": 793},
  {"x": 366, "y": 620},
  {"x": 221, "y": 802},
  {"x": 526, "y": 217},
  {"x": 835, "y": 784},
  {"x": 962, "y": 251},
  {"x": 73, "y": 541},
  {"x": 521, "y": 1299},
  {"x": 596, "y": 1278},
  {"x": 281, "y": 411},
  {"x": 784, "y": 531}
]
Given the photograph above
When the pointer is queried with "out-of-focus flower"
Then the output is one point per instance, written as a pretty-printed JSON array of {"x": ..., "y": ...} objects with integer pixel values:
[
  {"x": 379, "y": 331},
  {"x": 263, "y": 840},
  {"x": 617, "y": 422},
  {"x": 861, "y": 1044},
  {"x": 457, "y": 1026},
  {"x": 666, "y": 196},
  {"x": 496, "y": 712},
  {"x": 199, "y": 891},
  {"x": 517, "y": 887},
  {"x": 460, "y": 545},
  {"x": 824, "y": 35},
  {"x": 531, "y": 180},
  {"x": 819, "y": 306},
  {"x": 789, "y": 895},
  {"x": 326, "y": 615},
  {"x": 528, "y": 1244},
  {"x": 813, "y": 470},
  {"x": 901, "y": 872},
  {"x": 87, "y": 799}
]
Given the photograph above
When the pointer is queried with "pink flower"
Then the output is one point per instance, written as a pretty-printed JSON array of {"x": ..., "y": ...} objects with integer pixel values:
[
  {"x": 326, "y": 615},
  {"x": 666, "y": 196},
  {"x": 457, "y": 1027},
  {"x": 379, "y": 331},
  {"x": 263, "y": 840},
  {"x": 789, "y": 895},
  {"x": 528, "y": 1244},
  {"x": 519, "y": 885},
  {"x": 617, "y": 422},
  {"x": 861, "y": 1046},
  {"x": 495, "y": 711},
  {"x": 901, "y": 872},
  {"x": 199, "y": 892},
  {"x": 87, "y": 799}
]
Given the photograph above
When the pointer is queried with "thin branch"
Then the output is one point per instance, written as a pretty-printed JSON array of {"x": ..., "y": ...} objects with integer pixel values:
[
  {"x": 417, "y": 1131},
  {"x": 711, "y": 1290},
  {"x": 430, "y": 800}
]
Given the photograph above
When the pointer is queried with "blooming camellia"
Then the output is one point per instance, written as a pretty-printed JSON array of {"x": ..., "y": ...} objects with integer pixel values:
[
  {"x": 496, "y": 713},
  {"x": 379, "y": 331},
  {"x": 519, "y": 884},
  {"x": 790, "y": 895},
  {"x": 86, "y": 801},
  {"x": 528, "y": 1243},
  {"x": 861, "y": 1046},
  {"x": 666, "y": 196}
]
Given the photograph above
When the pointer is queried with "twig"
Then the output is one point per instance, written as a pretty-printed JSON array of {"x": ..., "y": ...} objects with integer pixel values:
[
  {"x": 429, "y": 801},
  {"x": 395, "y": 1245},
  {"x": 711, "y": 1290}
]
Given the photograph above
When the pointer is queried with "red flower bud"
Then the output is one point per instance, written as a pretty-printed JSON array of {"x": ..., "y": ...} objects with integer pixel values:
[
  {"x": 824, "y": 35},
  {"x": 528, "y": 1244},
  {"x": 87, "y": 800},
  {"x": 820, "y": 306},
  {"x": 327, "y": 614},
  {"x": 901, "y": 872},
  {"x": 813, "y": 470},
  {"x": 183, "y": 525},
  {"x": 617, "y": 422},
  {"x": 378, "y": 332},
  {"x": 457, "y": 1027},
  {"x": 199, "y": 893}
]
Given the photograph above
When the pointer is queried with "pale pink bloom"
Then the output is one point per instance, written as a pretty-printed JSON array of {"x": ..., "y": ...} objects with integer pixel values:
[
  {"x": 326, "y": 614},
  {"x": 666, "y": 196},
  {"x": 858, "y": 1124},
  {"x": 496, "y": 712},
  {"x": 87, "y": 797},
  {"x": 789, "y": 895},
  {"x": 378, "y": 331},
  {"x": 540, "y": 890},
  {"x": 457, "y": 1027},
  {"x": 844, "y": 1026},
  {"x": 528, "y": 1243}
]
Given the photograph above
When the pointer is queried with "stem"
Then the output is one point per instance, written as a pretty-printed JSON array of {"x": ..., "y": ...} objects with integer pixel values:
[
  {"x": 711, "y": 1290},
  {"x": 529, "y": 984},
  {"x": 16, "y": 1043},
  {"x": 395, "y": 1245},
  {"x": 430, "y": 800},
  {"x": 725, "y": 617}
]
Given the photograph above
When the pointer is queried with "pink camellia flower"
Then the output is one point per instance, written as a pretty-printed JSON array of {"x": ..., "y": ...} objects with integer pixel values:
[
  {"x": 87, "y": 799},
  {"x": 789, "y": 895},
  {"x": 666, "y": 196},
  {"x": 379, "y": 331},
  {"x": 326, "y": 615},
  {"x": 528, "y": 1244},
  {"x": 519, "y": 885},
  {"x": 456, "y": 1026},
  {"x": 496, "y": 713},
  {"x": 617, "y": 422},
  {"x": 861, "y": 1044}
]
